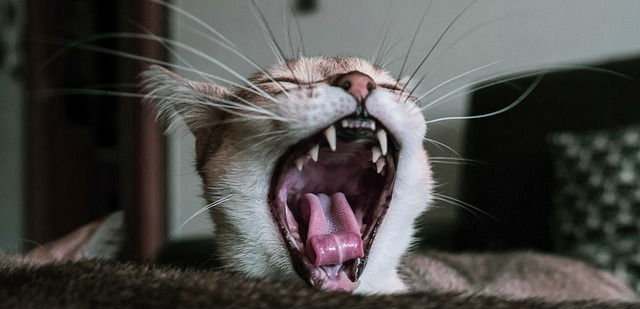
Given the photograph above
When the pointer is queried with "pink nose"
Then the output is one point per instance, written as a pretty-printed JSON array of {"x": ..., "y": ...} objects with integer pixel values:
[{"x": 358, "y": 84}]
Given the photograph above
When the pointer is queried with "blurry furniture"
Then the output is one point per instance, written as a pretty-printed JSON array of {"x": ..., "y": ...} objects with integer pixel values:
[
  {"x": 91, "y": 154},
  {"x": 596, "y": 199},
  {"x": 517, "y": 182}
]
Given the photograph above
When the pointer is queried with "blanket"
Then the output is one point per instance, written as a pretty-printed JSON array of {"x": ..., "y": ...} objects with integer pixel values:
[{"x": 97, "y": 284}]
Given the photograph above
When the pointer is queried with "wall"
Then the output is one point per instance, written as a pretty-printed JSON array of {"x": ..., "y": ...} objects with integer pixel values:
[
  {"x": 11, "y": 128},
  {"x": 521, "y": 35}
]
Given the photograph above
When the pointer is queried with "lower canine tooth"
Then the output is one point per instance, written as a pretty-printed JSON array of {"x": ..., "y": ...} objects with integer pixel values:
[
  {"x": 314, "y": 153},
  {"x": 382, "y": 138},
  {"x": 330, "y": 134},
  {"x": 299, "y": 163},
  {"x": 380, "y": 164},
  {"x": 375, "y": 154}
]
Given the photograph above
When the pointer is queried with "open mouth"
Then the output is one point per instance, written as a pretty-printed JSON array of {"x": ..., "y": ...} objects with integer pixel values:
[{"x": 328, "y": 195}]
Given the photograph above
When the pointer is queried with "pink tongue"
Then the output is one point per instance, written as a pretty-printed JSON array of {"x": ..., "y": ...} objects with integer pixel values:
[{"x": 333, "y": 236}]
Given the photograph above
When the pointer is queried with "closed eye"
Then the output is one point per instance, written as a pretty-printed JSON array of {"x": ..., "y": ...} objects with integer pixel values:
[
  {"x": 281, "y": 80},
  {"x": 286, "y": 80},
  {"x": 390, "y": 87}
]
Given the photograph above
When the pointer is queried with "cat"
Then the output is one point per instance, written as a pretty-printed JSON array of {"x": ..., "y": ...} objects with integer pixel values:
[
  {"x": 319, "y": 165},
  {"x": 317, "y": 172},
  {"x": 314, "y": 171}
]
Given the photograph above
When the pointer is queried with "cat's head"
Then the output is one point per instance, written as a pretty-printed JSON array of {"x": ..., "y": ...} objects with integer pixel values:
[{"x": 317, "y": 165}]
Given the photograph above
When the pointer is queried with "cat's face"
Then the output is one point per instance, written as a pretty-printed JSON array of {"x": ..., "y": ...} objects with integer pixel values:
[{"x": 319, "y": 167}]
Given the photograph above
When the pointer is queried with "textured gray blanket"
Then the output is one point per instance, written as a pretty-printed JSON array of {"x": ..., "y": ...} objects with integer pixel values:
[{"x": 113, "y": 284}]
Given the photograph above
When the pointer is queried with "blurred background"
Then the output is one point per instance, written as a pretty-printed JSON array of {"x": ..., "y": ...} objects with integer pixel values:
[{"x": 76, "y": 144}]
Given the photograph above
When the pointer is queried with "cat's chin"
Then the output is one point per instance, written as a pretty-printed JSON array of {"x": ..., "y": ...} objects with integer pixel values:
[{"x": 328, "y": 195}]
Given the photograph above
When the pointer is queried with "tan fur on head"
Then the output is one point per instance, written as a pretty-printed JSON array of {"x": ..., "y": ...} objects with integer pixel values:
[{"x": 241, "y": 133}]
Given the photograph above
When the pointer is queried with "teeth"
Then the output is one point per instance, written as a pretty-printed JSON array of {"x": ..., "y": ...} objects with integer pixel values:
[
  {"x": 380, "y": 165},
  {"x": 375, "y": 154},
  {"x": 330, "y": 134},
  {"x": 382, "y": 138},
  {"x": 299, "y": 163},
  {"x": 345, "y": 123},
  {"x": 314, "y": 153}
]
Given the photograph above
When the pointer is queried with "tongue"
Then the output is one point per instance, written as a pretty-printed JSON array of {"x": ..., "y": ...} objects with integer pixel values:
[{"x": 333, "y": 236}]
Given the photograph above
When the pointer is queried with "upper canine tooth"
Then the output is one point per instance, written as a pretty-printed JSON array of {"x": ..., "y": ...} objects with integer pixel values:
[
  {"x": 330, "y": 134},
  {"x": 314, "y": 152},
  {"x": 299, "y": 163},
  {"x": 380, "y": 164},
  {"x": 382, "y": 138},
  {"x": 375, "y": 154}
]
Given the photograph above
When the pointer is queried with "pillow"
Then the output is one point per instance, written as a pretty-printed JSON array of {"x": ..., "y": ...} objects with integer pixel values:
[{"x": 596, "y": 199}]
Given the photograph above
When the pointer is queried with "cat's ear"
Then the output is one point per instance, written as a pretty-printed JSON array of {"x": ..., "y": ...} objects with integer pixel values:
[{"x": 175, "y": 97}]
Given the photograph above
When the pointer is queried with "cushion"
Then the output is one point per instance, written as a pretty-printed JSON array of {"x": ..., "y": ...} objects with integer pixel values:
[{"x": 596, "y": 200}]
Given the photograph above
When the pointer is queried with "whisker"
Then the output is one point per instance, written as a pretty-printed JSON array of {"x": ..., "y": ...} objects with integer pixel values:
[
  {"x": 297, "y": 22},
  {"x": 229, "y": 46},
  {"x": 376, "y": 55},
  {"x": 250, "y": 107},
  {"x": 525, "y": 94},
  {"x": 454, "y": 78},
  {"x": 229, "y": 106},
  {"x": 470, "y": 161},
  {"x": 180, "y": 58},
  {"x": 455, "y": 42},
  {"x": 221, "y": 65},
  {"x": 268, "y": 133},
  {"x": 193, "y": 18},
  {"x": 204, "y": 56},
  {"x": 554, "y": 67},
  {"x": 203, "y": 209},
  {"x": 413, "y": 39},
  {"x": 459, "y": 39},
  {"x": 380, "y": 54},
  {"x": 267, "y": 31},
  {"x": 286, "y": 24},
  {"x": 464, "y": 205},
  {"x": 539, "y": 69},
  {"x": 81, "y": 44},
  {"x": 171, "y": 50},
  {"x": 438, "y": 144},
  {"x": 450, "y": 94},
  {"x": 242, "y": 56},
  {"x": 33, "y": 242},
  {"x": 113, "y": 85},
  {"x": 449, "y": 162},
  {"x": 387, "y": 52},
  {"x": 442, "y": 35},
  {"x": 453, "y": 162},
  {"x": 272, "y": 38},
  {"x": 233, "y": 94}
]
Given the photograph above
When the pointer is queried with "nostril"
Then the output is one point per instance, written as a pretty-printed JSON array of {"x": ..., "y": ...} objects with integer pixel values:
[
  {"x": 370, "y": 86},
  {"x": 358, "y": 84}
]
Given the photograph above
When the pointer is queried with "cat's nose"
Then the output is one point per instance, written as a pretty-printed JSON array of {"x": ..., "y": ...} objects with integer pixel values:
[{"x": 358, "y": 84}]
